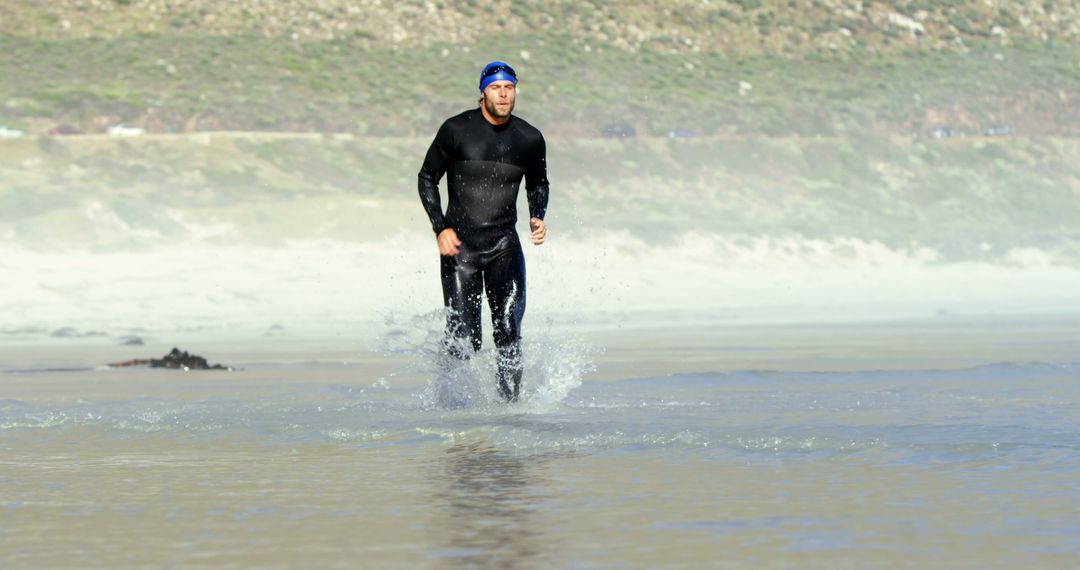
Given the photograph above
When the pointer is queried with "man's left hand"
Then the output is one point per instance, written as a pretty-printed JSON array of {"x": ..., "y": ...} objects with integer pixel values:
[{"x": 539, "y": 230}]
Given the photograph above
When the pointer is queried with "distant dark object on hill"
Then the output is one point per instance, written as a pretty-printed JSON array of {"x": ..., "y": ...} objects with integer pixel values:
[
  {"x": 620, "y": 131},
  {"x": 999, "y": 131},
  {"x": 64, "y": 130},
  {"x": 175, "y": 360}
]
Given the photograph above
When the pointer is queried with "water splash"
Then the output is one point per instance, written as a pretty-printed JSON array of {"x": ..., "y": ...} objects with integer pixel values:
[{"x": 554, "y": 364}]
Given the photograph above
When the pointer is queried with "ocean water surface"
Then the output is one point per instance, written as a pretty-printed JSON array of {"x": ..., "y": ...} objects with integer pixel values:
[{"x": 610, "y": 461}]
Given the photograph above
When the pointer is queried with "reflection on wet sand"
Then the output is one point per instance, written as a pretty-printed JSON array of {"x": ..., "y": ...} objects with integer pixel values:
[{"x": 491, "y": 498}]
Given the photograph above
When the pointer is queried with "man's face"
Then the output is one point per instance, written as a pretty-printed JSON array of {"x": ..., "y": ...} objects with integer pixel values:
[{"x": 499, "y": 98}]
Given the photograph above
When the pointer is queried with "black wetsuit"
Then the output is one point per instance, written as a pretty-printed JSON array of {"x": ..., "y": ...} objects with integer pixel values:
[{"x": 484, "y": 164}]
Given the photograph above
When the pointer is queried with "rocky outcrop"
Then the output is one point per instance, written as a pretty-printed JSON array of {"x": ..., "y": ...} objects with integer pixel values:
[{"x": 176, "y": 359}]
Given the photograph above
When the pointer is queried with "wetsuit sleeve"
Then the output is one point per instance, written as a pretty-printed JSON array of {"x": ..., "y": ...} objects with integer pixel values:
[
  {"x": 536, "y": 182},
  {"x": 435, "y": 164}
]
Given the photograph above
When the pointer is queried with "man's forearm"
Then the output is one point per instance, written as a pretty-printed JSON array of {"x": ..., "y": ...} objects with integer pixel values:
[
  {"x": 538, "y": 201},
  {"x": 429, "y": 197}
]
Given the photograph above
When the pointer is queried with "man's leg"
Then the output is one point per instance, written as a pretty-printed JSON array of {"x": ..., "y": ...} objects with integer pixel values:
[
  {"x": 504, "y": 280},
  {"x": 462, "y": 284}
]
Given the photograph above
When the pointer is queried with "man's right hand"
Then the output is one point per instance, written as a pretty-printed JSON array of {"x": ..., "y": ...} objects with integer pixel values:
[{"x": 448, "y": 242}]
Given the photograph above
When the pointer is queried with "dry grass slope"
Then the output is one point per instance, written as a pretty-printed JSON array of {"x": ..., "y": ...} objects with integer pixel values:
[{"x": 681, "y": 26}]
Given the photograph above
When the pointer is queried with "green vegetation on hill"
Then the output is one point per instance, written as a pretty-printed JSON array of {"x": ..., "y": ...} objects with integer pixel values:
[
  {"x": 775, "y": 67},
  {"x": 177, "y": 84}
]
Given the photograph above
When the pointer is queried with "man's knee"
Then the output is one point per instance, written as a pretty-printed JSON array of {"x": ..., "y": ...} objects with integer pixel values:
[{"x": 506, "y": 330}]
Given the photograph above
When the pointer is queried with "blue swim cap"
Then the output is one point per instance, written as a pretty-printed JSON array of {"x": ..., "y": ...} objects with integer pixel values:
[{"x": 497, "y": 71}]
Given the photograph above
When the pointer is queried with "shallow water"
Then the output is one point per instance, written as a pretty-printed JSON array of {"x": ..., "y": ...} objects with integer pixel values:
[{"x": 324, "y": 464}]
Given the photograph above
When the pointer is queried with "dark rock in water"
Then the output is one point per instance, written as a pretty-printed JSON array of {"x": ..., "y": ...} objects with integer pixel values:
[
  {"x": 131, "y": 340},
  {"x": 176, "y": 360},
  {"x": 181, "y": 359}
]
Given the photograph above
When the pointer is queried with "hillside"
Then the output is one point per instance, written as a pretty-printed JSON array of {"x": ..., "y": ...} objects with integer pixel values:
[
  {"x": 758, "y": 67},
  {"x": 733, "y": 26}
]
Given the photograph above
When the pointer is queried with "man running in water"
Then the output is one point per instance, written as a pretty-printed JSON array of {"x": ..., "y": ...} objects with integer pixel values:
[{"x": 486, "y": 152}]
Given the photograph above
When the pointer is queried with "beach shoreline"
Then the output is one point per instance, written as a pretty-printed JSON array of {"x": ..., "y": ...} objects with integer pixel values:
[{"x": 618, "y": 347}]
